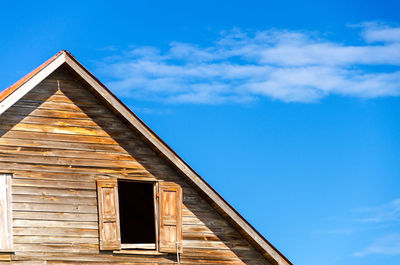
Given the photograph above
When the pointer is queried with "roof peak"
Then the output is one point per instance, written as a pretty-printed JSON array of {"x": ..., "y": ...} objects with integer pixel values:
[{"x": 8, "y": 91}]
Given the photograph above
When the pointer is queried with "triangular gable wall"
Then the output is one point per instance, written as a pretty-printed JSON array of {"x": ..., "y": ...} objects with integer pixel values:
[{"x": 10, "y": 96}]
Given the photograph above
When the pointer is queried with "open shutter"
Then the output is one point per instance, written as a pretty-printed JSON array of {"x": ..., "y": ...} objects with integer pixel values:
[
  {"x": 5, "y": 213},
  {"x": 170, "y": 196},
  {"x": 110, "y": 237}
]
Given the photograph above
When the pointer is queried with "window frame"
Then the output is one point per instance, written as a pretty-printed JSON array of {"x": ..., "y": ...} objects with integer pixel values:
[
  {"x": 142, "y": 246},
  {"x": 116, "y": 245}
]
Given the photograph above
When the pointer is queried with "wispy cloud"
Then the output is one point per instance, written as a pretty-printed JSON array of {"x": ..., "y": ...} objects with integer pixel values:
[
  {"x": 385, "y": 215},
  {"x": 386, "y": 245},
  {"x": 374, "y": 227},
  {"x": 335, "y": 231},
  {"x": 291, "y": 66},
  {"x": 389, "y": 212},
  {"x": 153, "y": 111}
]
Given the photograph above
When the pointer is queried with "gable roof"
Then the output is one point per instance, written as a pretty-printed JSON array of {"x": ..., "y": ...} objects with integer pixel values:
[{"x": 15, "y": 92}]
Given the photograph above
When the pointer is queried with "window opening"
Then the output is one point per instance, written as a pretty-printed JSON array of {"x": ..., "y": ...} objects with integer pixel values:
[{"x": 137, "y": 220}]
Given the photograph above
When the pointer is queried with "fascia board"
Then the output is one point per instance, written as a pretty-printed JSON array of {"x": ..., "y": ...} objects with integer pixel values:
[{"x": 31, "y": 83}]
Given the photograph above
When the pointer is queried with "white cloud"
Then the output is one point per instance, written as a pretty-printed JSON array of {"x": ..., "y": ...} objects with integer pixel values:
[
  {"x": 386, "y": 245},
  {"x": 242, "y": 67},
  {"x": 374, "y": 32}
]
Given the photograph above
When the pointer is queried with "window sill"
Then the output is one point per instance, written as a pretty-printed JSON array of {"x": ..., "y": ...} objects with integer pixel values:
[
  {"x": 139, "y": 252},
  {"x": 150, "y": 246}
]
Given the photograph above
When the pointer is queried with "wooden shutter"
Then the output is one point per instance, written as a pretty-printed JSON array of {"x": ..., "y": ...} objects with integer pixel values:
[
  {"x": 109, "y": 229},
  {"x": 5, "y": 213},
  {"x": 170, "y": 198}
]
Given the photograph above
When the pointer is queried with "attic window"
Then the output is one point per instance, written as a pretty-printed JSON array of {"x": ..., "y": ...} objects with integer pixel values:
[
  {"x": 137, "y": 218},
  {"x": 140, "y": 215}
]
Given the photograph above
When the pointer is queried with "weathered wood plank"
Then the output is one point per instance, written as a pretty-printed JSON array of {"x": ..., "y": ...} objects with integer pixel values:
[
  {"x": 51, "y": 239},
  {"x": 59, "y": 216},
  {"x": 5, "y": 213},
  {"x": 55, "y": 231},
  {"x": 4, "y": 257},
  {"x": 69, "y": 161},
  {"x": 50, "y": 152},
  {"x": 59, "y": 192},
  {"x": 60, "y": 248},
  {"x": 59, "y": 224},
  {"x": 23, "y": 167},
  {"x": 50, "y": 207},
  {"x": 54, "y": 199}
]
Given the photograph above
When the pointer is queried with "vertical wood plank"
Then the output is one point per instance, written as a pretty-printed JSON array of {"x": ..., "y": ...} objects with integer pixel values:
[{"x": 5, "y": 213}]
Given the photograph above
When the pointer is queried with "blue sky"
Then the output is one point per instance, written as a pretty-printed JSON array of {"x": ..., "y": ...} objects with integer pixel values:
[{"x": 288, "y": 108}]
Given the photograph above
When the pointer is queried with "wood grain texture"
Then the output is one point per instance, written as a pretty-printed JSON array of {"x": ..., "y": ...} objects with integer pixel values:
[
  {"x": 170, "y": 203},
  {"x": 5, "y": 213},
  {"x": 109, "y": 225},
  {"x": 57, "y": 141}
]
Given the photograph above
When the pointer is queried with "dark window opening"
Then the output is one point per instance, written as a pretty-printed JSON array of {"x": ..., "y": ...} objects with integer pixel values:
[{"x": 136, "y": 207}]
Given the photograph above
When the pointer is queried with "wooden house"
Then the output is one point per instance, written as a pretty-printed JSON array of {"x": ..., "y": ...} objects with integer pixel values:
[{"x": 84, "y": 181}]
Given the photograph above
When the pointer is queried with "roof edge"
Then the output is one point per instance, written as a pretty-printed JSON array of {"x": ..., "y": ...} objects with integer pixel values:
[
  {"x": 8, "y": 91},
  {"x": 12, "y": 94}
]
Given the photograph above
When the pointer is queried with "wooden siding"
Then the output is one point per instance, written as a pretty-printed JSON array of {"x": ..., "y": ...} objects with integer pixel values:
[{"x": 57, "y": 140}]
